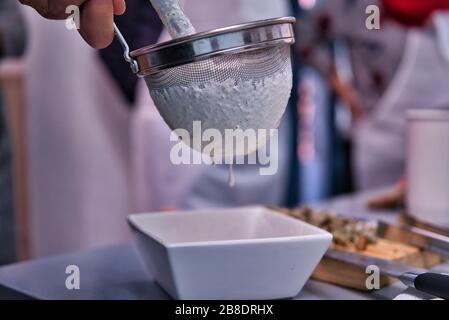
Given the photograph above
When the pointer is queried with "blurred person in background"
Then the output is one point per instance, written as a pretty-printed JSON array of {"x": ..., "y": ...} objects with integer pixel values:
[
  {"x": 420, "y": 81},
  {"x": 12, "y": 44},
  {"x": 358, "y": 65},
  {"x": 391, "y": 70},
  {"x": 80, "y": 109}
]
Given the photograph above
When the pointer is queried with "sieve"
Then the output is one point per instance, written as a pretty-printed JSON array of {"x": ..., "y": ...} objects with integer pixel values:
[{"x": 237, "y": 77}]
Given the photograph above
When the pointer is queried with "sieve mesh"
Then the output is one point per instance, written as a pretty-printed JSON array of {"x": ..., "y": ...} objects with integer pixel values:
[{"x": 253, "y": 65}]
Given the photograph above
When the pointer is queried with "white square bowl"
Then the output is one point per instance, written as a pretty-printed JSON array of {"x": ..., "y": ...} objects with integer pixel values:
[{"x": 242, "y": 253}]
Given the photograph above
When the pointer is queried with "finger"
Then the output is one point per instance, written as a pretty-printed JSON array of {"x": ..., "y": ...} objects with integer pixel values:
[
  {"x": 119, "y": 7},
  {"x": 97, "y": 23}
]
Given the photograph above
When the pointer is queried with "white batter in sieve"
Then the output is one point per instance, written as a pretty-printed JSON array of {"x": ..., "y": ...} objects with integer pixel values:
[{"x": 229, "y": 78}]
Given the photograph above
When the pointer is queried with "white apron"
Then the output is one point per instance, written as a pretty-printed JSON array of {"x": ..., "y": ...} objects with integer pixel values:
[
  {"x": 78, "y": 129},
  {"x": 420, "y": 82}
]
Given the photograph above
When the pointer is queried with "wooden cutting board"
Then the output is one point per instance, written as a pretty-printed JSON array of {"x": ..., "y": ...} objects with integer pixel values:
[{"x": 340, "y": 273}]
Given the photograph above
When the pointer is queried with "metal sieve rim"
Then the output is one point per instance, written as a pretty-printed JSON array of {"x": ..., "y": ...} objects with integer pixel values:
[{"x": 223, "y": 41}]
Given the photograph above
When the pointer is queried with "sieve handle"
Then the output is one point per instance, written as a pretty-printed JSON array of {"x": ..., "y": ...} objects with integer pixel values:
[
  {"x": 173, "y": 17},
  {"x": 126, "y": 51}
]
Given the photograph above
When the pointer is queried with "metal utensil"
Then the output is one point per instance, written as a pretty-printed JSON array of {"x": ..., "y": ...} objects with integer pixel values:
[
  {"x": 173, "y": 17},
  {"x": 436, "y": 284},
  {"x": 437, "y": 229},
  {"x": 417, "y": 237},
  {"x": 249, "y": 65}
]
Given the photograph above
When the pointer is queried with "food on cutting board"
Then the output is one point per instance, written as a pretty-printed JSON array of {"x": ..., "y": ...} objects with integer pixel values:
[
  {"x": 347, "y": 232},
  {"x": 359, "y": 236}
]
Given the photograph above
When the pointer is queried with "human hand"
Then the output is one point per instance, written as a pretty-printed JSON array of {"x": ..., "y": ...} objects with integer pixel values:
[{"x": 96, "y": 20}]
